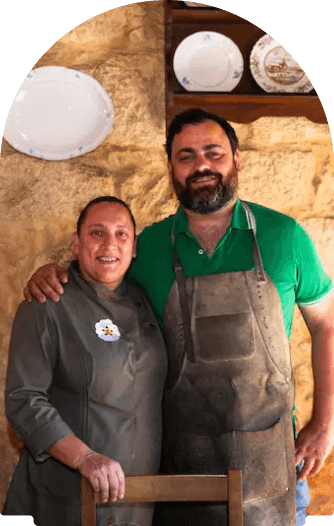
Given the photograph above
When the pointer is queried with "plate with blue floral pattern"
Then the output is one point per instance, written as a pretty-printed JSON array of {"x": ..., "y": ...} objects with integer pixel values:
[
  {"x": 208, "y": 61},
  {"x": 59, "y": 113}
]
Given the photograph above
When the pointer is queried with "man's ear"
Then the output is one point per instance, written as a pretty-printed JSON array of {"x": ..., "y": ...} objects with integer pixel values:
[
  {"x": 170, "y": 171},
  {"x": 237, "y": 160},
  {"x": 75, "y": 243}
]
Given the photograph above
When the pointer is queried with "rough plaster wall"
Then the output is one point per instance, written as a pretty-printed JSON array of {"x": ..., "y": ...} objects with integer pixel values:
[{"x": 286, "y": 164}]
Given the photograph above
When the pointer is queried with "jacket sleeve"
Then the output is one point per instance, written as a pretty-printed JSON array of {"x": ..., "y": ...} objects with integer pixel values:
[{"x": 32, "y": 356}]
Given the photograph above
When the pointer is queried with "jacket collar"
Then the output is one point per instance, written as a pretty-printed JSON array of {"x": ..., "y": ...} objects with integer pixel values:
[{"x": 93, "y": 289}]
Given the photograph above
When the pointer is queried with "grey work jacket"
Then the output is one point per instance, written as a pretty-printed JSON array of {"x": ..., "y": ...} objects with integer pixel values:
[{"x": 67, "y": 374}]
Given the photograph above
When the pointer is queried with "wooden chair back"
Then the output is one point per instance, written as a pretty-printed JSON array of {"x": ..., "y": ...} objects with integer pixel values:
[{"x": 172, "y": 488}]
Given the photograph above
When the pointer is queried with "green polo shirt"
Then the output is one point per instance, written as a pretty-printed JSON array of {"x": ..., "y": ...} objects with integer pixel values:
[{"x": 288, "y": 255}]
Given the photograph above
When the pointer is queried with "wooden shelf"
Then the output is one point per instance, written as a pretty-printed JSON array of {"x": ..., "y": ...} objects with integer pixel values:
[
  {"x": 247, "y": 108},
  {"x": 247, "y": 102}
]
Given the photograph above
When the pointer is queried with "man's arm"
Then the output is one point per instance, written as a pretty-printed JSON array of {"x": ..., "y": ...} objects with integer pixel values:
[
  {"x": 315, "y": 440},
  {"x": 46, "y": 281}
]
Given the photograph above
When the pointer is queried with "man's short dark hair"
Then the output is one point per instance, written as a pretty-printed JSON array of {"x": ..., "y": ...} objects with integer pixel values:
[
  {"x": 103, "y": 199},
  {"x": 197, "y": 116}
]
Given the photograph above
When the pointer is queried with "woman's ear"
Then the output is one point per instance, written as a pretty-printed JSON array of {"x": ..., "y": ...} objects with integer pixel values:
[
  {"x": 134, "y": 248},
  {"x": 75, "y": 243}
]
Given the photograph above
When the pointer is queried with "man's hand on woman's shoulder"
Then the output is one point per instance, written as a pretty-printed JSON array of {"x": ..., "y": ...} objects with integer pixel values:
[{"x": 46, "y": 281}]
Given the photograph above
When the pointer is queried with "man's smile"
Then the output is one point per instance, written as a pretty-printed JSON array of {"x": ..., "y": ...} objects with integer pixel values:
[{"x": 204, "y": 179}]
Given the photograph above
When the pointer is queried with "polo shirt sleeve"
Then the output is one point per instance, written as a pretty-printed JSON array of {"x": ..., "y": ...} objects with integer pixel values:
[
  {"x": 32, "y": 356},
  {"x": 313, "y": 283}
]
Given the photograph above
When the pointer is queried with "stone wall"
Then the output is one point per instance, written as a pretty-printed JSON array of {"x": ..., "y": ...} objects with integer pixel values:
[{"x": 286, "y": 164}]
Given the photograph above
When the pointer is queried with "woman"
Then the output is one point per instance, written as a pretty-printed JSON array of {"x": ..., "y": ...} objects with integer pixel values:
[{"x": 85, "y": 380}]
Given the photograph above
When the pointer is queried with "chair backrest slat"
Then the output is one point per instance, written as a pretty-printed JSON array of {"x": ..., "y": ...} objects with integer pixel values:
[
  {"x": 172, "y": 488},
  {"x": 160, "y": 488}
]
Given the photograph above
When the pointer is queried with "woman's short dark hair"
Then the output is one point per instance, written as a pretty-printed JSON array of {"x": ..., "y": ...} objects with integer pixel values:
[
  {"x": 197, "y": 116},
  {"x": 103, "y": 199}
]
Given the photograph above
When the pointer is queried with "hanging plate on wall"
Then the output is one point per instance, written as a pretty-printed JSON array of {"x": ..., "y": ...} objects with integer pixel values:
[
  {"x": 208, "y": 61},
  {"x": 275, "y": 70},
  {"x": 59, "y": 113}
]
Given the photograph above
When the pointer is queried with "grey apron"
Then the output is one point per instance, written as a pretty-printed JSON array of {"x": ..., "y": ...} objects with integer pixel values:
[{"x": 229, "y": 392}]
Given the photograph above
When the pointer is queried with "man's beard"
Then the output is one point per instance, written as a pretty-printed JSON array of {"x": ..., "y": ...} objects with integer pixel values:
[{"x": 210, "y": 198}]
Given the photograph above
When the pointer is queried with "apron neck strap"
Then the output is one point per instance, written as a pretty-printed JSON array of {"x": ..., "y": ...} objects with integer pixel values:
[{"x": 256, "y": 251}]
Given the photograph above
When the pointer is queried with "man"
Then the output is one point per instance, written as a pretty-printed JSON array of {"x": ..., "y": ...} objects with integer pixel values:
[{"x": 240, "y": 268}]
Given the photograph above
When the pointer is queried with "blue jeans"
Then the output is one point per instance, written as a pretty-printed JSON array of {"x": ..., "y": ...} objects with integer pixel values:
[{"x": 302, "y": 499}]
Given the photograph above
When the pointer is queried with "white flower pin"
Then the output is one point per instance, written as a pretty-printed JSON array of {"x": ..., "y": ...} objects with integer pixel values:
[{"x": 107, "y": 330}]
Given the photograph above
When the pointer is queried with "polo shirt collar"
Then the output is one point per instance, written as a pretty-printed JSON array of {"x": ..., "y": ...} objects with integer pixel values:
[{"x": 240, "y": 220}]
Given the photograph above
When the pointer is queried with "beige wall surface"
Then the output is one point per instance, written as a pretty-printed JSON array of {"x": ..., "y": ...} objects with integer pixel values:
[{"x": 287, "y": 164}]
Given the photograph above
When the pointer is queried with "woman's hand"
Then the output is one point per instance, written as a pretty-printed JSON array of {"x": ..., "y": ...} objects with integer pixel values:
[
  {"x": 47, "y": 280},
  {"x": 104, "y": 474}
]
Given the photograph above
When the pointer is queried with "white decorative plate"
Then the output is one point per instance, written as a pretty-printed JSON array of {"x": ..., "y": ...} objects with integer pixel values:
[
  {"x": 208, "y": 61},
  {"x": 275, "y": 70},
  {"x": 59, "y": 113}
]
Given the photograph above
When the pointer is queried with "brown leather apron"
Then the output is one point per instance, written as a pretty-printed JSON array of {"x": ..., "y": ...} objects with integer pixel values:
[{"x": 229, "y": 392}]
